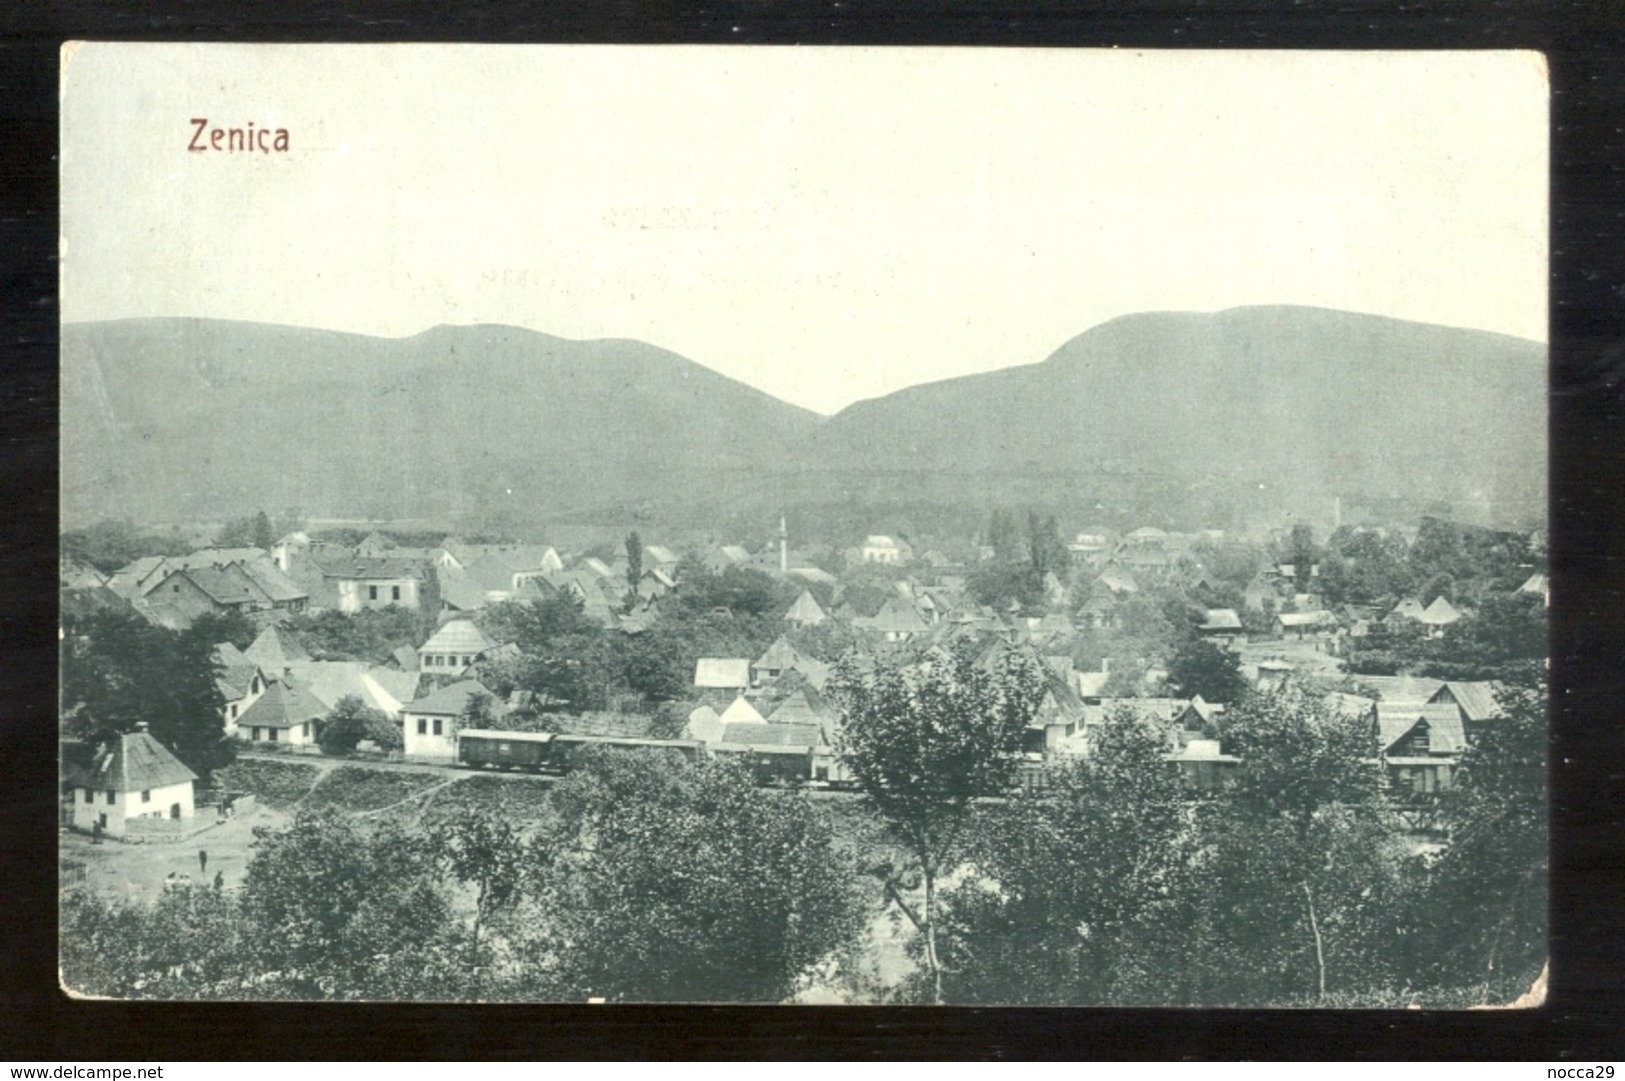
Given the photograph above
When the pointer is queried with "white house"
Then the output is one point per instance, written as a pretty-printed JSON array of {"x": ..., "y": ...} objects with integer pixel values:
[
  {"x": 879, "y": 548},
  {"x": 453, "y": 648},
  {"x": 135, "y": 777},
  {"x": 430, "y": 724},
  {"x": 286, "y": 713}
]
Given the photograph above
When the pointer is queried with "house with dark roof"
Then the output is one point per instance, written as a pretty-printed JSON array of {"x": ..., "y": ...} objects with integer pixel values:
[
  {"x": 430, "y": 724},
  {"x": 1478, "y": 702},
  {"x": 288, "y": 712},
  {"x": 1220, "y": 623},
  {"x": 897, "y": 621},
  {"x": 241, "y": 682},
  {"x": 1419, "y": 745},
  {"x": 133, "y": 777},
  {"x": 276, "y": 651},
  {"x": 200, "y": 591}
]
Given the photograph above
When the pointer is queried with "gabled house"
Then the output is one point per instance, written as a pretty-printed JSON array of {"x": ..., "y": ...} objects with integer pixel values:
[
  {"x": 201, "y": 591},
  {"x": 779, "y": 658},
  {"x": 1419, "y": 744},
  {"x": 241, "y": 682},
  {"x": 134, "y": 777},
  {"x": 452, "y": 649},
  {"x": 806, "y": 611},
  {"x": 1059, "y": 716},
  {"x": 897, "y": 621},
  {"x": 286, "y": 713},
  {"x": 1438, "y": 615},
  {"x": 1117, "y": 580},
  {"x": 430, "y": 724},
  {"x": 1478, "y": 702}
]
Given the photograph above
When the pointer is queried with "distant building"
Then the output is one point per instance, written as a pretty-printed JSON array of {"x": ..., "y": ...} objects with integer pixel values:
[
  {"x": 731, "y": 674},
  {"x": 879, "y": 548},
  {"x": 806, "y": 611},
  {"x": 453, "y": 649}
]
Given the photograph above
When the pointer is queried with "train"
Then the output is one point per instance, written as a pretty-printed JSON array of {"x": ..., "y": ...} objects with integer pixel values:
[{"x": 558, "y": 752}]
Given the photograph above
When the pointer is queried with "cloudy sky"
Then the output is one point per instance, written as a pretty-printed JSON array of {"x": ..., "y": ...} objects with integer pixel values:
[{"x": 826, "y": 224}]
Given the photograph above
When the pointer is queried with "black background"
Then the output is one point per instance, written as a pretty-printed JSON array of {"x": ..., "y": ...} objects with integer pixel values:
[{"x": 1583, "y": 1020}]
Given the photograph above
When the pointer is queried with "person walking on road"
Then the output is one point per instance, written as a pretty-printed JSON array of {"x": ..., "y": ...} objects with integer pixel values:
[{"x": 202, "y": 861}]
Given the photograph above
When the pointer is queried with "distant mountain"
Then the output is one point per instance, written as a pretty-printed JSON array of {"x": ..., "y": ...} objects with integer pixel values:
[
  {"x": 1305, "y": 401},
  {"x": 165, "y": 418},
  {"x": 172, "y": 418}
]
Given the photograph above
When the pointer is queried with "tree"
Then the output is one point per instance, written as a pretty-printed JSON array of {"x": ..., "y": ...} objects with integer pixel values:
[
  {"x": 343, "y": 910},
  {"x": 634, "y": 562},
  {"x": 118, "y": 671},
  {"x": 925, "y": 741},
  {"x": 665, "y": 881},
  {"x": 1486, "y": 898},
  {"x": 1080, "y": 882},
  {"x": 1003, "y": 536},
  {"x": 1305, "y": 857},
  {"x": 1199, "y": 667},
  {"x": 264, "y": 535},
  {"x": 1046, "y": 551},
  {"x": 483, "y": 851},
  {"x": 350, "y": 722}
]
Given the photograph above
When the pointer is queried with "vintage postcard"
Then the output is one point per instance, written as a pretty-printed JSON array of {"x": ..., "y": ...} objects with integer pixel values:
[{"x": 808, "y": 525}]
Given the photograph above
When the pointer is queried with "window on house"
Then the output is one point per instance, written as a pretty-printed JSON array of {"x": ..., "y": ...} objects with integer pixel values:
[
  {"x": 423, "y": 727},
  {"x": 437, "y": 730},
  {"x": 372, "y": 593},
  {"x": 234, "y": 711},
  {"x": 273, "y": 734},
  {"x": 110, "y": 797},
  {"x": 467, "y": 661},
  {"x": 395, "y": 593},
  {"x": 305, "y": 730},
  {"x": 90, "y": 797},
  {"x": 146, "y": 796}
]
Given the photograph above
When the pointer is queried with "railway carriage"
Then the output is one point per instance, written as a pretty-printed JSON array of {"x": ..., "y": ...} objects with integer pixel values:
[{"x": 491, "y": 749}]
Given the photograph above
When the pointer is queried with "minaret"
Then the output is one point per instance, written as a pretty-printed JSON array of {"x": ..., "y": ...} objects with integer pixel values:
[{"x": 784, "y": 547}]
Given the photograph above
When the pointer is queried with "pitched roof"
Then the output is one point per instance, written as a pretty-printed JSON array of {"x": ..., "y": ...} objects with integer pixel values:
[
  {"x": 217, "y": 585},
  {"x": 236, "y": 680},
  {"x": 1221, "y": 619},
  {"x": 722, "y": 672},
  {"x": 603, "y": 724},
  {"x": 1409, "y": 608},
  {"x": 1476, "y": 701},
  {"x": 1536, "y": 583},
  {"x": 1440, "y": 612},
  {"x": 275, "y": 649},
  {"x": 136, "y": 762},
  {"x": 406, "y": 657},
  {"x": 458, "y": 636},
  {"x": 804, "y": 705},
  {"x": 735, "y": 553},
  {"x": 897, "y": 616},
  {"x": 284, "y": 704},
  {"x": 452, "y": 700},
  {"x": 656, "y": 553},
  {"x": 345, "y": 564},
  {"x": 741, "y": 711},
  {"x": 1396, "y": 719},
  {"x": 759, "y": 734},
  {"x": 460, "y": 591},
  {"x": 1118, "y": 580},
  {"x": 813, "y": 574},
  {"x": 1402, "y": 688},
  {"x": 806, "y": 610},
  {"x": 780, "y": 655},
  {"x": 1306, "y": 619},
  {"x": 271, "y": 581}
]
